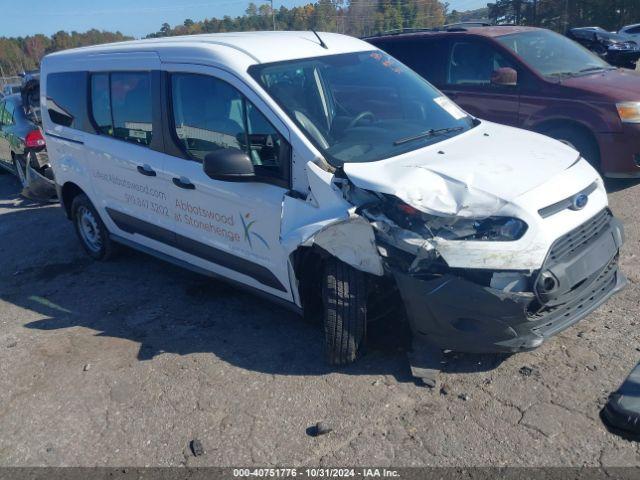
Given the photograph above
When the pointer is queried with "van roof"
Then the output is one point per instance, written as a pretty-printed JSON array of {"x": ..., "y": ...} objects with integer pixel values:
[{"x": 254, "y": 47}]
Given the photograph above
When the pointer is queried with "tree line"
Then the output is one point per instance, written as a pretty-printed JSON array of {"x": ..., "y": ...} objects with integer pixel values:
[
  {"x": 22, "y": 54},
  {"x": 356, "y": 17},
  {"x": 352, "y": 17},
  {"x": 560, "y": 15}
]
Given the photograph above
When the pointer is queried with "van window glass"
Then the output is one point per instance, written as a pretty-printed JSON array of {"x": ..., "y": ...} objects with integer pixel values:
[
  {"x": 361, "y": 106},
  {"x": 428, "y": 57},
  {"x": 66, "y": 98},
  {"x": 473, "y": 63},
  {"x": 132, "y": 107},
  {"x": 551, "y": 54},
  {"x": 209, "y": 114},
  {"x": 101, "y": 103}
]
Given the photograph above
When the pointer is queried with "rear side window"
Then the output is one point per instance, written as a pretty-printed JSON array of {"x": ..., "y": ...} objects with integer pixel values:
[
  {"x": 473, "y": 63},
  {"x": 121, "y": 106},
  {"x": 66, "y": 98}
]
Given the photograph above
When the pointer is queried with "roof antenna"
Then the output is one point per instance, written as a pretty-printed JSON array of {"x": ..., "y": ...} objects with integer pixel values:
[{"x": 322, "y": 44}]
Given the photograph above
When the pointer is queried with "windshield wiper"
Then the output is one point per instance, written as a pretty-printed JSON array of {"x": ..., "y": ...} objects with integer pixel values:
[
  {"x": 428, "y": 134},
  {"x": 595, "y": 69}
]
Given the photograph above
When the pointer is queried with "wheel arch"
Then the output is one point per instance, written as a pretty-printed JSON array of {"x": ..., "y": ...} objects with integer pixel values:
[
  {"x": 548, "y": 126},
  {"x": 68, "y": 192}
]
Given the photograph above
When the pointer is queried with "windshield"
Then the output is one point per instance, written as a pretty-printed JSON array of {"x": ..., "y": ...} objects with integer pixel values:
[
  {"x": 361, "y": 107},
  {"x": 551, "y": 54}
]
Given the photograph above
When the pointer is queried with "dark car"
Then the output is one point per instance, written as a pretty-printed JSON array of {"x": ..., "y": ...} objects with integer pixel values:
[
  {"x": 22, "y": 145},
  {"x": 618, "y": 49},
  {"x": 535, "y": 79}
]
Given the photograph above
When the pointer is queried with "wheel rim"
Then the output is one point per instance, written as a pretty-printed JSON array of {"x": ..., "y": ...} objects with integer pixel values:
[
  {"x": 20, "y": 169},
  {"x": 89, "y": 229}
]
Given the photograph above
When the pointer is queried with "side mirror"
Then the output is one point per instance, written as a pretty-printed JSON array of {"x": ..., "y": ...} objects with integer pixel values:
[
  {"x": 505, "y": 77},
  {"x": 229, "y": 165}
]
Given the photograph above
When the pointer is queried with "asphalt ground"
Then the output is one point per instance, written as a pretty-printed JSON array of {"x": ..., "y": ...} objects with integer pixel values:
[{"x": 126, "y": 362}]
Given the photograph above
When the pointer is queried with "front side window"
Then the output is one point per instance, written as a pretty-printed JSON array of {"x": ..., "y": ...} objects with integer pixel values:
[
  {"x": 552, "y": 54},
  {"x": 66, "y": 98},
  {"x": 361, "y": 107},
  {"x": 121, "y": 106},
  {"x": 209, "y": 114},
  {"x": 474, "y": 63}
]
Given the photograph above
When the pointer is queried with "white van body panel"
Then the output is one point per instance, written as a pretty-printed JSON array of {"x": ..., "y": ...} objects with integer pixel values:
[{"x": 490, "y": 170}]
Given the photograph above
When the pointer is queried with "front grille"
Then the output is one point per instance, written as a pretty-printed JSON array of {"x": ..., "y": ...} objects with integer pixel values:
[
  {"x": 579, "y": 238},
  {"x": 555, "y": 318}
]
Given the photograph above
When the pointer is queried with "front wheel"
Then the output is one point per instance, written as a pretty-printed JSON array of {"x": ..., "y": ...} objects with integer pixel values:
[
  {"x": 92, "y": 233},
  {"x": 344, "y": 294}
]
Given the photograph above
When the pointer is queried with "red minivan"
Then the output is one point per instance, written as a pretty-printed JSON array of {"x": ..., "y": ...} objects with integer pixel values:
[{"x": 535, "y": 79}]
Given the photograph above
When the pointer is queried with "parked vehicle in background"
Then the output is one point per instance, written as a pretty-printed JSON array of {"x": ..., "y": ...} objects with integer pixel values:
[
  {"x": 632, "y": 31},
  {"x": 10, "y": 89},
  {"x": 617, "y": 49},
  {"x": 535, "y": 79},
  {"x": 324, "y": 174},
  {"x": 22, "y": 145}
]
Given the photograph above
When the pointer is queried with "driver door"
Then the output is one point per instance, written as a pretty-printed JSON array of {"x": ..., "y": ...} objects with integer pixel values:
[{"x": 229, "y": 228}]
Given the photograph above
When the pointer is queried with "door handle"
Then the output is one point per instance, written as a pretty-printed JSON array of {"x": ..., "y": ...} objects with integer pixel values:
[
  {"x": 146, "y": 170},
  {"x": 184, "y": 183}
]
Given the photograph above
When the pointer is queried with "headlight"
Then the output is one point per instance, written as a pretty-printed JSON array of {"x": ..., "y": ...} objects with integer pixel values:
[
  {"x": 629, "y": 112},
  {"x": 492, "y": 229},
  {"x": 619, "y": 46}
]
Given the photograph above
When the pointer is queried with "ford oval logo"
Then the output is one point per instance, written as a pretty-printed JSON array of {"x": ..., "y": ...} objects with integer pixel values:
[{"x": 579, "y": 201}]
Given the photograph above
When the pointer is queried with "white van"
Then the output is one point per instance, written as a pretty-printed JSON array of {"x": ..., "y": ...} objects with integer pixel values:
[{"x": 320, "y": 172}]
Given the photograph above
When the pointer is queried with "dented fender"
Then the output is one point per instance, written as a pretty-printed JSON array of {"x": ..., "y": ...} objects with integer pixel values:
[{"x": 325, "y": 219}]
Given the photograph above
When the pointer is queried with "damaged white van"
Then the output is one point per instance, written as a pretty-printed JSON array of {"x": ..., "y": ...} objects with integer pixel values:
[{"x": 322, "y": 173}]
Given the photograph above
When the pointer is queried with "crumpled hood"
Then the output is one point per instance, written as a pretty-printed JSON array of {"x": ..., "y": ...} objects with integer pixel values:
[{"x": 471, "y": 175}]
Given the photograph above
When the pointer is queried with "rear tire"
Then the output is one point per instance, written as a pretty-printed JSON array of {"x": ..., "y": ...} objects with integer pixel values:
[
  {"x": 581, "y": 141},
  {"x": 344, "y": 295},
  {"x": 91, "y": 231}
]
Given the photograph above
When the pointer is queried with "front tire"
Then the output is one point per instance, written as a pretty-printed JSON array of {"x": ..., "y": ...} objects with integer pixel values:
[
  {"x": 90, "y": 229},
  {"x": 344, "y": 295}
]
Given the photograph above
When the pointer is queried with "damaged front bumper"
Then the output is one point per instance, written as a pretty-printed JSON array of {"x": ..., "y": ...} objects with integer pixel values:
[{"x": 450, "y": 311}]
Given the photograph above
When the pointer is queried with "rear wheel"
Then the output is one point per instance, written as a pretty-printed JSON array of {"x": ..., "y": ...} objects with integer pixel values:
[
  {"x": 581, "y": 141},
  {"x": 344, "y": 295},
  {"x": 92, "y": 233}
]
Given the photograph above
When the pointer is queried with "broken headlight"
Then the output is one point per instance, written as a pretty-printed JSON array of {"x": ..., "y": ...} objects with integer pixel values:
[{"x": 491, "y": 229}]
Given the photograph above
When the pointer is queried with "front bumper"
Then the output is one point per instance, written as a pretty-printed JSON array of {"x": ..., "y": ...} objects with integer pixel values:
[{"x": 452, "y": 312}]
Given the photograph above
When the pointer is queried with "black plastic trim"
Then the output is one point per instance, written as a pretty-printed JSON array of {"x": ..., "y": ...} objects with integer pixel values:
[
  {"x": 133, "y": 225},
  {"x": 66, "y": 139},
  {"x": 566, "y": 202}
]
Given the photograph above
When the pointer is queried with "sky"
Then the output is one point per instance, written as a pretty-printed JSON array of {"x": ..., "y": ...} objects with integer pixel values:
[{"x": 131, "y": 17}]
